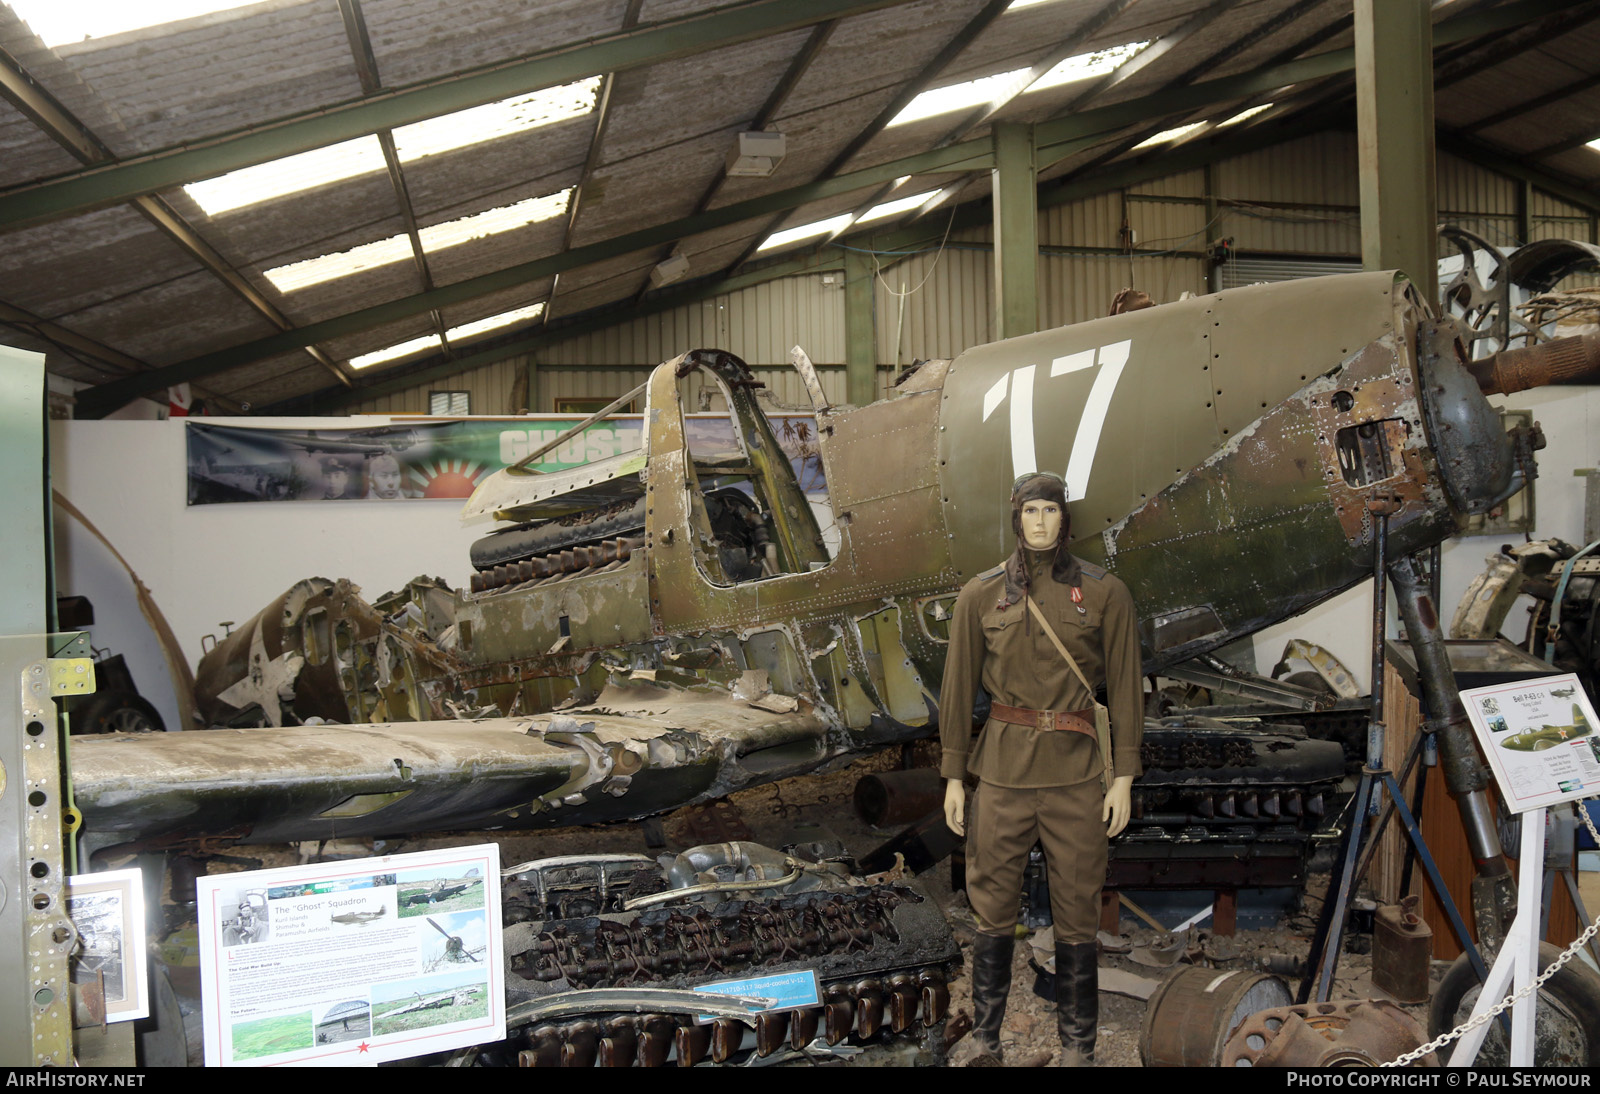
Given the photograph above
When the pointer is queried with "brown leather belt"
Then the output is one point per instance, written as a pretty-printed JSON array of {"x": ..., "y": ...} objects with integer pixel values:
[{"x": 1073, "y": 720}]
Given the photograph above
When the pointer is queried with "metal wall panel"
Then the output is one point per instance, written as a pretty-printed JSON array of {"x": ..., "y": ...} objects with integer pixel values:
[
  {"x": 947, "y": 302},
  {"x": 1238, "y": 272},
  {"x": 1092, "y": 222},
  {"x": 1556, "y": 219},
  {"x": 759, "y": 324}
]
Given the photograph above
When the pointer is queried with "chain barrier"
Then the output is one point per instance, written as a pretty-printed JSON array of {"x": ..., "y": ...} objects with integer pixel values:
[{"x": 1511, "y": 1000}]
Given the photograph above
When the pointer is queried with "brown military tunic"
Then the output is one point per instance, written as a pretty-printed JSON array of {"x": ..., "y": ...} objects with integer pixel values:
[{"x": 1039, "y": 783}]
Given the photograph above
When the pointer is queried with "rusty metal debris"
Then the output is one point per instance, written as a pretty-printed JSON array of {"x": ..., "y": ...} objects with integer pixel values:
[
  {"x": 1193, "y": 1012},
  {"x": 593, "y": 983},
  {"x": 1364, "y": 1033},
  {"x": 717, "y": 821}
]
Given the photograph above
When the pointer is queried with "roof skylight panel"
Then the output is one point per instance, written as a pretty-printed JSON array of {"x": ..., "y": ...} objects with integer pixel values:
[
  {"x": 1178, "y": 132},
  {"x": 1004, "y": 85},
  {"x": 895, "y": 207},
  {"x": 456, "y": 334},
  {"x": 494, "y": 221},
  {"x": 436, "y": 237},
  {"x": 289, "y": 175},
  {"x": 806, "y": 231},
  {"x": 395, "y": 352},
  {"x": 491, "y": 121},
  {"x": 1169, "y": 135},
  {"x": 63, "y": 22},
  {"x": 329, "y": 267},
  {"x": 1243, "y": 114},
  {"x": 1086, "y": 65},
  {"x": 348, "y": 159},
  {"x": 495, "y": 322},
  {"x": 944, "y": 100}
]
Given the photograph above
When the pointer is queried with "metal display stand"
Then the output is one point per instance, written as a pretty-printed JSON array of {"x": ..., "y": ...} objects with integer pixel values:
[
  {"x": 1377, "y": 782},
  {"x": 1519, "y": 957}
]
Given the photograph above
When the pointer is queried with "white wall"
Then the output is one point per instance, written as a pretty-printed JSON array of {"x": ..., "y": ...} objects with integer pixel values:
[{"x": 207, "y": 563}]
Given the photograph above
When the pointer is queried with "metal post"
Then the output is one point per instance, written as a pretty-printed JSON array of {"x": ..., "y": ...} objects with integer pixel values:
[
  {"x": 1493, "y": 898},
  {"x": 1213, "y": 269},
  {"x": 36, "y": 1009},
  {"x": 1380, "y": 624},
  {"x": 1524, "y": 212},
  {"x": 860, "y": 329},
  {"x": 1016, "y": 231},
  {"x": 1394, "y": 128}
]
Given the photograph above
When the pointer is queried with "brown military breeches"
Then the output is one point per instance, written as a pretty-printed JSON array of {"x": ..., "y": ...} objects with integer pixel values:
[{"x": 1003, "y": 825}]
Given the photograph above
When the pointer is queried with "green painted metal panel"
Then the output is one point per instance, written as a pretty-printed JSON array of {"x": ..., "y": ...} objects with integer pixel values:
[
  {"x": 1016, "y": 231},
  {"x": 860, "y": 334},
  {"x": 22, "y": 609},
  {"x": 1394, "y": 127}
]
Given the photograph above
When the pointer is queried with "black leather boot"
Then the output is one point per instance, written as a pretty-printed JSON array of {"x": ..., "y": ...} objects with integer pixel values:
[
  {"x": 991, "y": 984},
  {"x": 1077, "y": 1001}
]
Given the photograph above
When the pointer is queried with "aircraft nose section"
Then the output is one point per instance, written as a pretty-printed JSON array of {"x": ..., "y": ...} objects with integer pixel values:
[{"x": 1477, "y": 459}]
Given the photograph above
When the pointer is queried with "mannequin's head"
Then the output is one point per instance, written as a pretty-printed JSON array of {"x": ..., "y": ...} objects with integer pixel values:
[{"x": 1039, "y": 511}]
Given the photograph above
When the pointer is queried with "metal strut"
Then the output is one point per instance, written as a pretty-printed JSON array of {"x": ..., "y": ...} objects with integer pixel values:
[{"x": 1378, "y": 795}]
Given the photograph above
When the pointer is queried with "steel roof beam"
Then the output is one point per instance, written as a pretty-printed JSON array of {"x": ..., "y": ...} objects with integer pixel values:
[
  {"x": 1284, "y": 18},
  {"x": 1152, "y": 53},
  {"x": 81, "y": 191},
  {"x": 602, "y": 118},
  {"x": 1121, "y": 74},
  {"x": 1566, "y": 91},
  {"x": 1070, "y": 131},
  {"x": 1504, "y": 47},
  {"x": 1069, "y": 46},
  {"x": 86, "y": 351},
  {"x": 798, "y": 64},
  {"x": 366, "y": 62},
  {"x": 914, "y": 87}
]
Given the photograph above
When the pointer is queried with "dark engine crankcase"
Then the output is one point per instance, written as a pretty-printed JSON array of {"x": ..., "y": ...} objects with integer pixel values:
[
  {"x": 881, "y": 950},
  {"x": 1218, "y": 806}
]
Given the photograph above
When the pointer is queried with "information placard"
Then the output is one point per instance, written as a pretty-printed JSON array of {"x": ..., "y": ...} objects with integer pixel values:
[
  {"x": 353, "y": 962},
  {"x": 1540, "y": 738}
]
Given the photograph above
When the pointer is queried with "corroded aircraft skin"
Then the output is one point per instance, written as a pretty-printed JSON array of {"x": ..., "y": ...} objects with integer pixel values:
[{"x": 1223, "y": 454}]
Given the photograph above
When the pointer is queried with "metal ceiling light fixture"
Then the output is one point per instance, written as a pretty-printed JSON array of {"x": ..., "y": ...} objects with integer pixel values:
[
  {"x": 756, "y": 154},
  {"x": 674, "y": 267}
]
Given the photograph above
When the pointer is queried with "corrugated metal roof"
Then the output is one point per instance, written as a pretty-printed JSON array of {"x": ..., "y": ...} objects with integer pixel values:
[{"x": 111, "y": 274}]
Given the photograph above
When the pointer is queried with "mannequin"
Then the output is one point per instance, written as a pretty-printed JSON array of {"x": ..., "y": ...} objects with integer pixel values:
[{"x": 1037, "y": 761}]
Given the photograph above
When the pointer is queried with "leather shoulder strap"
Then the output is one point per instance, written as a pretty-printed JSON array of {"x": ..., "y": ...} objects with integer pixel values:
[{"x": 1061, "y": 649}]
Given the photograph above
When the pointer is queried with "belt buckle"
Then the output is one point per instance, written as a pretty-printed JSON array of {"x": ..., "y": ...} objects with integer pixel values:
[{"x": 1047, "y": 718}]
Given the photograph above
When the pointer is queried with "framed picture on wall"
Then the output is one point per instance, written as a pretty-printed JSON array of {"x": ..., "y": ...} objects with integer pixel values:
[
  {"x": 107, "y": 966},
  {"x": 588, "y": 404}
]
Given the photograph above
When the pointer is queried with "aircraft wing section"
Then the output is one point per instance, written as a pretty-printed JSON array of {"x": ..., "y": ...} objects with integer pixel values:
[{"x": 637, "y": 751}]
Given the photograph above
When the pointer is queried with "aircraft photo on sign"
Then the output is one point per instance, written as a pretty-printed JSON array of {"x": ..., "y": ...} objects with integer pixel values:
[{"x": 1540, "y": 740}]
